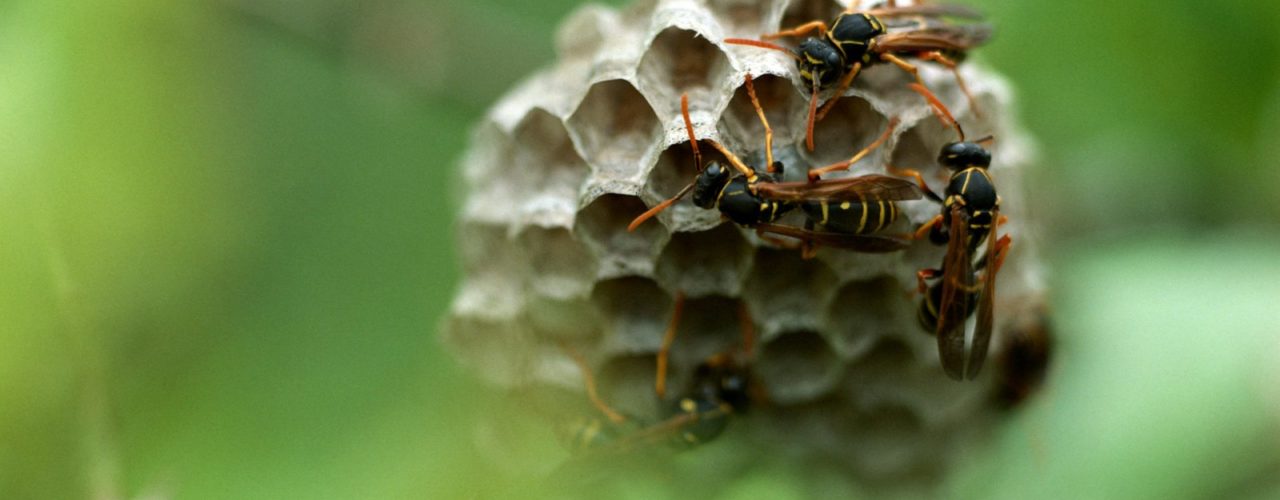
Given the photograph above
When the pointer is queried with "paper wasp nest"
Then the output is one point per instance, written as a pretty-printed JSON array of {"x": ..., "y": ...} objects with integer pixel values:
[{"x": 560, "y": 165}]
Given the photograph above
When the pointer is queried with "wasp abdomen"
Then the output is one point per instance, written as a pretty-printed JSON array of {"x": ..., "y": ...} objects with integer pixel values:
[
  {"x": 932, "y": 302},
  {"x": 855, "y": 217}
]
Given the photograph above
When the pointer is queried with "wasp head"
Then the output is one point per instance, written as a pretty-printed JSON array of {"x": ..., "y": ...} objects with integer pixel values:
[
  {"x": 819, "y": 62},
  {"x": 962, "y": 155},
  {"x": 706, "y": 189}
]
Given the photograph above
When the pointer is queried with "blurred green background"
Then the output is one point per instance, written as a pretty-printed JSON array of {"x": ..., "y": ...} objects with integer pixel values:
[{"x": 226, "y": 244}]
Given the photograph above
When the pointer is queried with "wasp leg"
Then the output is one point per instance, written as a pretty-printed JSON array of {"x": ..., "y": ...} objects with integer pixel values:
[
  {"x": 808, "y": 250},
  {"x": 924, "y": 275},
  {"x": 1001, "y": 251},
  {"x": 845, "y": 82},
  {"x": 664, "y": 352},
  {"x": 815, "y": 174},
  {"x": 779, "y": 242},
  {"x": 768, "y": 131},
  {"x": 921, "y": 233},
  {"x": 813, "y": 109},
  {"x": 590, "y": 380},
  {"x": 906, "y": 172},
  {"x": 908, "y": 67},
  {"x": 940, "y": 110},
  {"x": 800, "y": 30},
  {"x": 955, "y": 70}
]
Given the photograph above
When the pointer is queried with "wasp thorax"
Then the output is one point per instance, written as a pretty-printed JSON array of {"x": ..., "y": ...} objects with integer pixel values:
[
  {"x": 960, "y": 155},
  {"x": 853, "y": 34},
  {"x": 707, "y": 188}
]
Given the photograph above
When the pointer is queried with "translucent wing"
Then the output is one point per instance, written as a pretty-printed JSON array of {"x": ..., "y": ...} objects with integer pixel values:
[
  {"x": 957, "y": 281},
  {"x": 865, "y": 187},
  {"x": 986, "y": 303},
  {"x": 935, "y": 10},
  {"x": 945, "y": 38},
  {"x": 865, "y": 243}
]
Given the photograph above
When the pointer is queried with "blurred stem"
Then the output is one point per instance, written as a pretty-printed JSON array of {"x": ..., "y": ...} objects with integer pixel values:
[{"x": 100, "y": 450}]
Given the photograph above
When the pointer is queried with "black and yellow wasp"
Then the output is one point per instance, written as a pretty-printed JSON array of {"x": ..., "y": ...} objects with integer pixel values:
[
  {"x": 721, "y": 386},
  {"x": 858, "y": 39},
  {"x": 842, "y": 213},
  {"x": 970, "y": 217}
]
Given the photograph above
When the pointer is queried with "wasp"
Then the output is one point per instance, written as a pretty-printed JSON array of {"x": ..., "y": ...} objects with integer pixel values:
[
  {"x": 722, "y": 386},
  {"x": 858, "y": 39},
  {"x": 969, "y": 218},
  {"x": 841, "y": 213}
]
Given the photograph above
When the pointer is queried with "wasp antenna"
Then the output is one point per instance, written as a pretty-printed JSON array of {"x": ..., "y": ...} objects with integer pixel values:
[
  {"x": 688, "y": 127},
  {"x": 657, "y": 209},
  {"x": 986, "y": 140},
  {"x": 763, "y": 45},
  {"x": 940, "y": 110}
]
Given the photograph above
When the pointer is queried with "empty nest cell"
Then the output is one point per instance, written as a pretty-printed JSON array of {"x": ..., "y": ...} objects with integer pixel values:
[
  {"x": 742, "y": 17},
  {"x": 546, "y": 163},
  {"x": 797, "y": 367},
  {"x": 558, "y": 264},
  {"x": 602, "y": 227},
  {"x": 615, "y": 127},
  {"x": 571, "y": 319},
  {"x": 499, "y": 351},
  {"x": 634, "y": 313},
  {"x": 705, "y": 263},
  {"x": 786, "y": 291},
  {"x": 802, "y": 11},
  {"x": 866, "y": 309},
  {"x": 681, "y": 61}
]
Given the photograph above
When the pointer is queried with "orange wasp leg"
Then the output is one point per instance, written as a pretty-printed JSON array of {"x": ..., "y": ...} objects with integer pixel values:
[
  {"x": 768, "y": 131},
  {"x": 664, "y": 352},
  {"x": 844, "y": 165},
  {"x": 845, "y": 82},
  {"x": 590, "y": 380},
  {"x": 955, "y": 70},
  {"x": 800, "y": 30}
]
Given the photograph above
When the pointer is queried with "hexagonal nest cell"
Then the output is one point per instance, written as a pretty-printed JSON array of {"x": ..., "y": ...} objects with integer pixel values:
[{"x": 851, "y": 381}]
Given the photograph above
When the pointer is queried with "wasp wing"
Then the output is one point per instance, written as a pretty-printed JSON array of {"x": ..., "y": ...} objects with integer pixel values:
[
  {"x": 944, "y": 38},
  {"x": 986, "y": 302},
  {"x": 864, "y": 187},
  {"x": 864, "y": 243},
  {"x": 936, "y": 10},
  {"x": 957, "y": 281}
]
